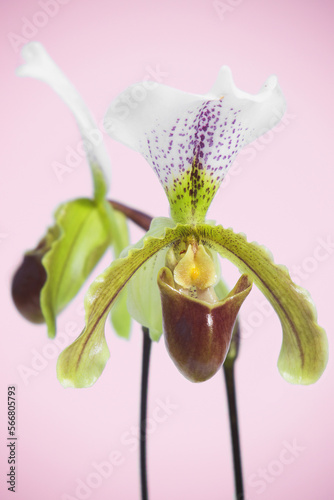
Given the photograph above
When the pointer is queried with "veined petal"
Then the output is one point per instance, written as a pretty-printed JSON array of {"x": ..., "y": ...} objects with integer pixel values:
[
  {"x": 304, "y": 351},
  {"x": 191, "y": 140},
  {"x": 38, "y": 64},
  {"x": 157, "y": 230},
  {"x": 81, "y": 363}
]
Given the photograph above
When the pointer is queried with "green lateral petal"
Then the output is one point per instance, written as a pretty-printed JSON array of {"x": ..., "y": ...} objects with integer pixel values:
[
  {"x": 84, "y": 235},
  {"x": 304, "y": 351},
  {"x": 81, "y": 363},
  {"x": 120, "y": 317},
  {"x": 157, "y": 230}
]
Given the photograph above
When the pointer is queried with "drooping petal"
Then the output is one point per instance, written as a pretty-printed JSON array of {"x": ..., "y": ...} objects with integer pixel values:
[
  {"x": 80, "y": 364},
  {"x": 198, "y": 334},
  {"x": 191, "y": 140},
  {"x": 38, "y": 64},
  {"x": 304, "y": 351}
]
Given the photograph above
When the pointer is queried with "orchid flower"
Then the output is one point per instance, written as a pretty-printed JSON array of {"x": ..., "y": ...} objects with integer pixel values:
[
  {"x": 52, "y": 273},
  {"x": 172, "y": 274}
]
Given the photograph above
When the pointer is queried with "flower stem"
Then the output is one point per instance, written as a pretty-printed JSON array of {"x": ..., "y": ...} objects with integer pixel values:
[
  {"x": 228, "y": 368},
  {"x": 147, "y": 343},
  {"x": 141, "y": 219}
]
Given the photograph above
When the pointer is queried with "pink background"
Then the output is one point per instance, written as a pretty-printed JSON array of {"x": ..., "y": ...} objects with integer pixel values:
[{"x": 281, "y": 195}]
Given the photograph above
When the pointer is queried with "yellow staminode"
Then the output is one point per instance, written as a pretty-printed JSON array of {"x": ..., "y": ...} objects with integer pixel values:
[
  {"x": 194, "y": 273},
  {"x": 196, "y": 268}
]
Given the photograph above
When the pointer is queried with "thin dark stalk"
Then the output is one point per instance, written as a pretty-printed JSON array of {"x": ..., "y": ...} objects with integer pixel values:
[
  {"x": 228, "y": 368},
  {"x": 147, "y": 343},
  {"x": 141, "y": 219}
]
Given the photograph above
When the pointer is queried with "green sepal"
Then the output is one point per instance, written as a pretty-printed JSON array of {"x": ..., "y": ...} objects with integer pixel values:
[
  {"x": 221, "y": 289},
  {"x": 84, "y": 235},
  {"x": 120, "y": 317},
  {"x": 143, "y": 302}
]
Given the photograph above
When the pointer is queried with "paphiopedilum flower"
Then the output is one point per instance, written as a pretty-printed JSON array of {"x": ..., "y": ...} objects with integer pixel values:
[
  {"x": 52, "y": 273},
  {"x": 172, "y": 275}
]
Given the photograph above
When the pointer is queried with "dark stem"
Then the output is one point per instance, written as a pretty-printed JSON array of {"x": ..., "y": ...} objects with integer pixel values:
[
  {"x": 233, "y": 414},
  {"x": 141, "y": 219},
  {"x": 147, "y": 343}
]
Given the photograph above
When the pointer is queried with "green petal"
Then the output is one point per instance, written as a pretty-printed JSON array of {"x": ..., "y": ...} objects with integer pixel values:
[
  {"x": 81, "y": 363},
  {"x": 144, "y": 302},
  {"x": 84, "y": 235},
  {"x": 157, "y": 230},
  {"x": 304, "y": 351},
  {"x": 120, "y": 317}
]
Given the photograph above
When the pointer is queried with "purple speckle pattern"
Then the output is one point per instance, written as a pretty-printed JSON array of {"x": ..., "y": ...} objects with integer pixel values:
[{"x": 192, "y": 157}]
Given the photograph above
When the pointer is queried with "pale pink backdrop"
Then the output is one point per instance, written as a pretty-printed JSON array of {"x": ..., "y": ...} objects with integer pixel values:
[{"x": 280, "y": 194}]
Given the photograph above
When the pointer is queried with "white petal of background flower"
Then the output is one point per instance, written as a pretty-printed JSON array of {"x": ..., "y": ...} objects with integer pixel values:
[{"x": 38, "y": 64}]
